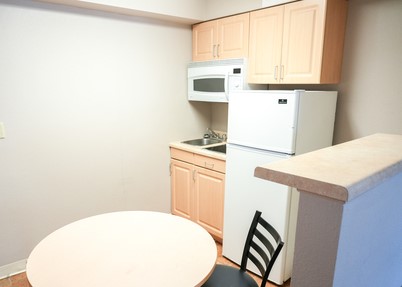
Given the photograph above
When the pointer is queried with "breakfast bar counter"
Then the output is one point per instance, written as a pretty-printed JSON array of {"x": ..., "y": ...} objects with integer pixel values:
[
  {"x": 349, "y": 220},
  {"x": 343, "y": 171}
]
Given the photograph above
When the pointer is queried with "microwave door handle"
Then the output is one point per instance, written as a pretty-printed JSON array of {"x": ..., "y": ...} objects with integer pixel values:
[{"x": 227, "y": 86}]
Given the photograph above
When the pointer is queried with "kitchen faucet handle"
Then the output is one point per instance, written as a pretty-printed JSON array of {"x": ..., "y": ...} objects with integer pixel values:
[{"x": 212, "y": 134}]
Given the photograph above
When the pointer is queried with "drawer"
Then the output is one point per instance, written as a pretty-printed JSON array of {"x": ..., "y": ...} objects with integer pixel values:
[
  {"x": 181, "y": 155},
  {"x": 210, "y": 163}
]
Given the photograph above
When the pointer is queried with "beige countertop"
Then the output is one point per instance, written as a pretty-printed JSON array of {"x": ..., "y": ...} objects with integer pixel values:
[
  {"x": 343, "y": 171},
  {"x": 200, "y": 149}
]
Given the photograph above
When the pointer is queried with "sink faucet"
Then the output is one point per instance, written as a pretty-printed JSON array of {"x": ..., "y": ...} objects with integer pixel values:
[{"x": 212, "y": 133}]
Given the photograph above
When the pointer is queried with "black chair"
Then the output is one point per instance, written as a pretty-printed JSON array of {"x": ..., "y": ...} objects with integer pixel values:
[{"x": 262, "y": 247}]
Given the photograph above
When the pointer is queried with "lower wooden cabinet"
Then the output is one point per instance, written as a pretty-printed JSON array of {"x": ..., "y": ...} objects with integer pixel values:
[
  {"x": 181, "y": 186},
  {"x": 198, "y": 185}
]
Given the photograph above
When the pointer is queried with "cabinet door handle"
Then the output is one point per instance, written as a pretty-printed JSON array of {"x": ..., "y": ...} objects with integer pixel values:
[
  {"x": 276, "y": 73},
  {"x": 217, "y": 50},
  {"x": 214, "y": 51},
  {"x": 208, "y": 165},
  {"x": 194, "y": 171}
]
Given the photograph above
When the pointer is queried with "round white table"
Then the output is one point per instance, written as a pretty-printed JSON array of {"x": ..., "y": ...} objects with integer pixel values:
[{"x": 129, "y": 248}]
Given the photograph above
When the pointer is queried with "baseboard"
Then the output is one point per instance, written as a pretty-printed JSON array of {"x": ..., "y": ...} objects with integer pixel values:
[{"x": 13, "y": 268}]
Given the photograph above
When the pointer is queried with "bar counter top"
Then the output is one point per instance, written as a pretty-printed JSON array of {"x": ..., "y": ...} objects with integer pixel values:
[{"x": 343, "y": 171}]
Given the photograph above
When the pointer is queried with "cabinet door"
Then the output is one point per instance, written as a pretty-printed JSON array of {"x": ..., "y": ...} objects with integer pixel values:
[
  {"x": 265, "y": 46},
  {"x": 209, "y": 193},
  {"x": 182, "y": 188},
  {"x": 303, "y": 37},
  {"x": 205, "y": 38},
  {"x": 233, "y": 36}
]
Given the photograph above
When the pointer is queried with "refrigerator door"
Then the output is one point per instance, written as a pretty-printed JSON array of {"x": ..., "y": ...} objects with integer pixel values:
[
  {"x": 264, "y": 119},
  {"x": 244, "y": 194}
]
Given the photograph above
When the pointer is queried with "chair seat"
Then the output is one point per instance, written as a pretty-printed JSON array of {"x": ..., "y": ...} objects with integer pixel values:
[{"x": 226, "y": 276}]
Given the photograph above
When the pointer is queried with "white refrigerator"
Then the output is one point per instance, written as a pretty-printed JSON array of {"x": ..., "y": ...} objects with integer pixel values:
[{"x": 266, "y": 126}]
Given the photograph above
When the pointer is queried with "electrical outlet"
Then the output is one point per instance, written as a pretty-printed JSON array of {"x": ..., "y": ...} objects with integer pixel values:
[{"x": 2, "y": 132}]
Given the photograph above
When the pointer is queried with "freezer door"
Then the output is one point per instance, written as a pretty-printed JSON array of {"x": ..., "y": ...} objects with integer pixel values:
[
  {"x": 264, "y": 119},
  {"x": 244, "y": 194}
]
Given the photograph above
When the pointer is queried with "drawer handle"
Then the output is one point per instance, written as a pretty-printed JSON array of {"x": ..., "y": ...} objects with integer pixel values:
[{"x": 208, "y": 165}]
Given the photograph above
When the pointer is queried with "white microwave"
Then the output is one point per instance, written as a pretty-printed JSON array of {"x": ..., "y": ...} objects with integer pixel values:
[{"x": 212, "y": 81}]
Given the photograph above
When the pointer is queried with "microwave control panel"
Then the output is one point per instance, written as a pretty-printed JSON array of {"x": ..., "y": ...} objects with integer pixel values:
[{"x": 235, "y": 83}]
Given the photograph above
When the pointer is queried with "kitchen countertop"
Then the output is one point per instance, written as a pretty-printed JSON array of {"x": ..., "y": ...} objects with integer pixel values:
[
  {"x": 343, "y": 171},
  {"x": 200, "y": 149}
]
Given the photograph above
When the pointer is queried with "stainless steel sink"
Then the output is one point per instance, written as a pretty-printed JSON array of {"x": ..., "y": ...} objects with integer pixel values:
[
  {"x": 218, "y": 148},
  {"x": 202, "y": 142}
]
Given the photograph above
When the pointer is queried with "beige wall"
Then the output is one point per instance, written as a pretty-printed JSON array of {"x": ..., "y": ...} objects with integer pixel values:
[
  {"x": 371, "y": 89},
  {"x": 219, "y": 116},
  {"x": 180, "y": 11},
  {"x": 90, "y": 102},
  {"x": 221, "y": 8}
]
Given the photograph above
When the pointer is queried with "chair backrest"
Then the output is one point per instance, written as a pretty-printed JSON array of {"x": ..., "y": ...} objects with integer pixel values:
[{"x": 262, "y": 247}]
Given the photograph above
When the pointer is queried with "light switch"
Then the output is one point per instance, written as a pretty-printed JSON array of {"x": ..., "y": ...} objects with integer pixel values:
[{"x": 2, "y": 132}]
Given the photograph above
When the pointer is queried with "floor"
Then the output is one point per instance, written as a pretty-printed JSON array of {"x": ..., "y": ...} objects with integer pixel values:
[{"x": 20, "y": 280}]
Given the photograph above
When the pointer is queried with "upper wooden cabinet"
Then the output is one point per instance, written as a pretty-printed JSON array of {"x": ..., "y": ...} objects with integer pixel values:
[
  {"x": 265, "y": 46},
  {"x": 297, "y": 43},
  {"x": 221, "y": 39}
]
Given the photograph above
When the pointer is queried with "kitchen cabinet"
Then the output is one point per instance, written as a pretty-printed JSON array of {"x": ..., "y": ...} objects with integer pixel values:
[
  {"x": 266, "y": 29},
  {"x": 297, "y": 43},
  {"x": 223, "y": 38},
  {"x": 181, "y": 186},
  {"x": 198, "y": 185}
]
